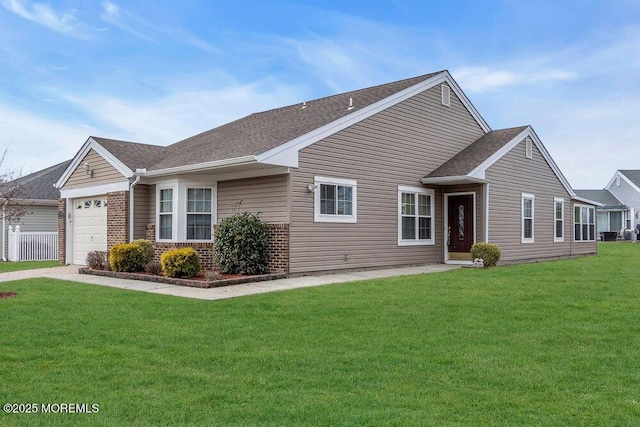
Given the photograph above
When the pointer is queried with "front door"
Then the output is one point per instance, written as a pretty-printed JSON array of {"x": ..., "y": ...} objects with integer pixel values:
[{"x": 460, "y": 226}]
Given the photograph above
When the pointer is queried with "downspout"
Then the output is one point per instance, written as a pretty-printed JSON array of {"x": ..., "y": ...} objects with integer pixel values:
[
  {"x": 138, "y": 174},
  {"x": 4, "y": 241},
  {"x": 486, "y": 212}
]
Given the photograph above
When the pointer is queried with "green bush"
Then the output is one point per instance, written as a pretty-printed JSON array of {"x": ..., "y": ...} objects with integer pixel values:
[
  {"x": 488, "y": 252},
  {"x": 146, "y": 249},
  {"x": 182, "y": 263},
  {"x": 126, "y": 257},
  {"x": 241, "y": 245}
]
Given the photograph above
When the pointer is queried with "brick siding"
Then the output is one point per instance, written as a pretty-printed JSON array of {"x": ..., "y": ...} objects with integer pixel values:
[
  {"x": 277, "y": 241},
  {"x": 117, "y": 218}
]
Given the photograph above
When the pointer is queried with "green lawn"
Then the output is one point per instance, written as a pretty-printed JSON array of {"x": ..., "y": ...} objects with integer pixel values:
[
  {"x": 555, "y": 343},
  {"x": 6, "y": 267}
]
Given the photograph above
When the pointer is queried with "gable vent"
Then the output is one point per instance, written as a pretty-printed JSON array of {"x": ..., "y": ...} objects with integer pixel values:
[
  {"x": 528, "y": 148},
  {"x": 618, "y": 181},
  {"x": 446, "y": 95}
]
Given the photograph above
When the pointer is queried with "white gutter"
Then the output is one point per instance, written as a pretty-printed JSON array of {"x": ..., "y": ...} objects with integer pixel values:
[
  {"x": 138, "y": 174},
  {"x": 450, "y": 180},
  {"x": 245, "y": 160},
  {"x": 582, "y": 199},
  {"x": 4, "y": 242}
]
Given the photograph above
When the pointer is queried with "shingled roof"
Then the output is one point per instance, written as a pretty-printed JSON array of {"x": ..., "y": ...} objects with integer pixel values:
[
  {"x": 133, "y": 154},
  {"x": 473, "y": 155},
  {"x": 632, "y": 175},
  {"x": 259, "y": 132},
  {"x": 608, "y": 200},
  {"x": 39, "y": 185}
]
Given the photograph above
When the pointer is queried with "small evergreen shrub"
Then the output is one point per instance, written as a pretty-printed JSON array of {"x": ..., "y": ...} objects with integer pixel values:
[
  {"x": 241, "y": 245},
  {"x": 183, "y": 262},
  {"x": 153, "y": 267},
  {"x": 97, "y": 260},
  {"x": 126, "y": 257},
  {"x": 488, "y": 252},
  {"x": 146, "y": 249}
]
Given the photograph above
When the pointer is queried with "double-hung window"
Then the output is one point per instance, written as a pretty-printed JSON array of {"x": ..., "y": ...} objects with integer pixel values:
[
  {"x": 415, "y": 216},
  {"x": 335, "y": 200},
  {"x": 199, "y": 213},
  {"x": 558, "y": 226},
  {"x": 528, "y": 204},
  {"x": 165, "y": 214},
  {"x": 584, "y": 223}
]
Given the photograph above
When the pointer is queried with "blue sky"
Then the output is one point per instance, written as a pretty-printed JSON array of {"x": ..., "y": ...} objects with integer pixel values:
[{"x": 158, "y": 72}]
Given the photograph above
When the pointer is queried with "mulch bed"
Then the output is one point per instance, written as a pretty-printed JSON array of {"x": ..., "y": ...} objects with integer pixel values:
[
  {"x": 194, "y": 282},
  {"x": 8, "y": 294}
]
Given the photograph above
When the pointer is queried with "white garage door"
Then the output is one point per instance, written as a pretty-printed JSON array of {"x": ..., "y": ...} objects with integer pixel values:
[{"x": 89, "y": 227}]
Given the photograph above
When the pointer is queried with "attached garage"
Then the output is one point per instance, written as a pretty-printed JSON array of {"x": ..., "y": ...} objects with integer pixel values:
[{"x": 89, "y": 227}]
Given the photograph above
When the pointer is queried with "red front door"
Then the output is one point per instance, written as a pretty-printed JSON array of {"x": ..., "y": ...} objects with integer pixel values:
[{"x": 460, "y": 225}]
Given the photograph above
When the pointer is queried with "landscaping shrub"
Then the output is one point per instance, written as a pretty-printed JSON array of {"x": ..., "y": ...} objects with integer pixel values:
[
  {"x": 488, "y": 252},
  {"x": 182, "y": 263},
  {"x": 241, "y": 245},
  {"x": 126, "y": 257},
  {"x": 146, "y": 249},
  {"x": 154, "y": 267},
  {"x": 97, "y": 260}
]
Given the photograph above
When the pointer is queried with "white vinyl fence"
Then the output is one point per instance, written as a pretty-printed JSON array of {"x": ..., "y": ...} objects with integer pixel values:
[{"x": 30, "y": 246}]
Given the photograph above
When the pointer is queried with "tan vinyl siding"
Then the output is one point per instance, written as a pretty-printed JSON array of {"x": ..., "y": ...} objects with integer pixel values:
[
  {"x": 151, "y": 216},
  {"x": 397, "y": 146},
  {"x": 267, "y": 195},
  {"x": 140, "y": 210},
  {"x": 103, "y": 173},
  {"x": 513, "y": 175}
]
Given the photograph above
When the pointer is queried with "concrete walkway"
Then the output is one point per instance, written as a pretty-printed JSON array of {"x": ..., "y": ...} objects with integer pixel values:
[{"x": 70, "y": 273}]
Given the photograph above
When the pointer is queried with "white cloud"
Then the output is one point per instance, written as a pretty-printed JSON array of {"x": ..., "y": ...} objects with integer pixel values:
[
  {"x": 484, "y": 79},
  {"x": 182, "y": 114},
  {"x": 134, "y": 24},
  {"x": 34, "y": 142},
  {"x": 43, "y": 14}
]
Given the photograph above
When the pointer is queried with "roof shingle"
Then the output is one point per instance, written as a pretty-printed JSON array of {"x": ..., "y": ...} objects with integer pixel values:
[
  {"x": 39, "y": 185},
  {"x": 259, "y": 132},
  {"x": 473, "y": 155},
  {"x": 601, "y": 196}
]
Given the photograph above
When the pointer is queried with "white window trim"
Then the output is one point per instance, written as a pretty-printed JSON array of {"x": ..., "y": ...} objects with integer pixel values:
[
  {"x": 179, "y": 212},
  {"x": 595, "y": 223},
  {"x": 174, "y": 216},
  {"x": 318, "y": 217},
  {"x": 560, "y": 200},
  {"x": 185, "y": 193},
  {"x": 527, "y": 196},
  {"x": 416, "y": 190}
]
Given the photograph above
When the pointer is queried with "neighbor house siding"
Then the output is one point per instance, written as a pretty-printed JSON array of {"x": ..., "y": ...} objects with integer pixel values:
[
  {"x": 265, "y": 195},
  {"x": 37, "y": 219},
  {"x": 510, "y": 177},
  {"x": 140, "y": 210},
  {"x": 397, "y": 146},
  {"x": 627, "y": 195},
  {"x": 103, "y": 173}
]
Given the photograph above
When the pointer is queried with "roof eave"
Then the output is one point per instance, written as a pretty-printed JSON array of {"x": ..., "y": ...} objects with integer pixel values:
[
  {"x": 584, "y": 200},
  {"x": 452, "y": 180},
  {"x": 216, "y": 164}
]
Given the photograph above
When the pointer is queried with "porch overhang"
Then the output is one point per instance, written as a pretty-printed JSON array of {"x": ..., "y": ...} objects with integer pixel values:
[{"x": 453, "y": 180}]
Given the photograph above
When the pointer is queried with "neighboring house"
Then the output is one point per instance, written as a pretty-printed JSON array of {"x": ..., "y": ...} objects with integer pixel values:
[
  {"x": 39, "y": 196},
  {"x": 625, "y": 186},
  {"x": 401, "y": 173},
  {"x": 613, "y": 215}
]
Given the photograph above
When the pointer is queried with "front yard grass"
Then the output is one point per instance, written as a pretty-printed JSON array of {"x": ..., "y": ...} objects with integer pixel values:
[
  {"x": 8, "y": 266},
  {"x": 553, "y": 343}
]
